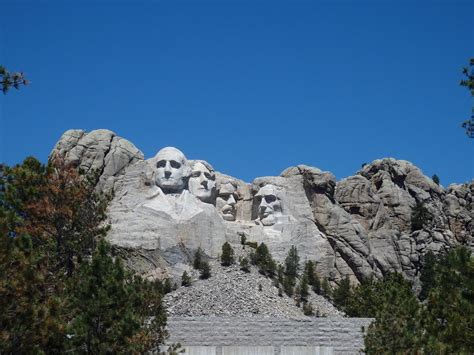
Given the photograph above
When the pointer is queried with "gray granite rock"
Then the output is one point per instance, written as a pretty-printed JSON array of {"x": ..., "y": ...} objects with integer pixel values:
[
  {"x": 100, "y": 150},
  {"x": 232, "y": 292},
  {"x": 357, "y": 227}
]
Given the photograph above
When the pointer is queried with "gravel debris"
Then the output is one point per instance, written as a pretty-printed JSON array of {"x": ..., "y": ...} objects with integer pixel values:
[{"x": 232, "y": 292}]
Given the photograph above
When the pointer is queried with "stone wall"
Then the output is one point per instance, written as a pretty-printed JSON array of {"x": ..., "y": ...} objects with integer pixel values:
[{"x": 216, "y": 335}]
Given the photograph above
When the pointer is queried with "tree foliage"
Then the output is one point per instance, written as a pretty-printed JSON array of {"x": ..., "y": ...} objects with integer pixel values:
[
  {"x": 420, "y": 216},
  {"x": 244, "y": 264},
  {"x": 227, "y": 257},
  {"x": 312, "y": 276},
  {"x": 60, "y": 288},
  {"x": 308, "y": 309},
  {"x": 342, "y": 293},
  {"x": 9, "y": 80},
  {"x": 468, "y": 82},
  {"x": 292, "y": 261},
  {"x": 116, "y": 312},
  {"x": 31, "y": 319},
  {"x": 326, "y": 288},
  {"x": 185, "y": 279},
  {"x": 450, "y": 303},
  {"x": 263, "y": 260},
  {"x": 428, "y": 273},
  {"x": 205, "y": 270},
  {"x": 198, "y": 257},
  {"x": 441, "y": 324},
  {"x": 303, "y": 290}
]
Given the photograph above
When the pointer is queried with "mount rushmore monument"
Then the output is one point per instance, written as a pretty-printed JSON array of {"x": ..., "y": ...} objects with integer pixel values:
[{"x": 165, "y": 207}]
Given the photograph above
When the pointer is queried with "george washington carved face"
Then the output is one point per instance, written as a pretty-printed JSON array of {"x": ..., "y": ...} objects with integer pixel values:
[{"x": 171, "y": 170}]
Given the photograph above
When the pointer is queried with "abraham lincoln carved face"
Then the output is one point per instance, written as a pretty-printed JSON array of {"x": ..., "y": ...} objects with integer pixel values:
[{"x": 269, "y": 205}]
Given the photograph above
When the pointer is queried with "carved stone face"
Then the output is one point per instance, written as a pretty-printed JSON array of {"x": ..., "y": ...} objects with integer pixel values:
[
  {"x": 226, "y": 201},
  {"x": 269, "y": 205},
  {"x": 171, "y": 170},
  {"x": 202, "y": 182}
]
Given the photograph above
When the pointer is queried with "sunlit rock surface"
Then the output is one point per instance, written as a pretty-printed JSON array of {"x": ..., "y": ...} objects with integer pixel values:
[{"x": 359, "y": 226}]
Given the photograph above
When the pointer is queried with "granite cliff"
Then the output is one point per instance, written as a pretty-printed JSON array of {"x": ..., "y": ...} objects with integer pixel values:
[{"x": 359, "y": 226}]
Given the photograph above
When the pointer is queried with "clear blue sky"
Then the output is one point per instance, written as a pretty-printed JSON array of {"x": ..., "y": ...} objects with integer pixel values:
[{"x": 250, "y": 86}]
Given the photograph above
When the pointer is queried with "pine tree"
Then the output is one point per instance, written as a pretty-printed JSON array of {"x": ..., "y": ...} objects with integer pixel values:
[
  {"x": 308, "y": 309},
  {"x": 185, "y": 279},
  {"x": 114, "y": 308},
  {"x": 227, "y": 257},
  {"x": 435, "y": 179},
  {"x": 205, "y": 270},
  {"x": 397, "y": 314},
  {"x": 167, "y": 287},
  {"x": 342, "y": 293},
  {"x": 198, "y": 258},
  {"x": 291, "y": 271},
  {"x": 309, "y": 272},
  {"x": 263, "y": 260},
  {"x": 441, "y": 325},
  {"x": 450, "y": 303},
  {"x": 420, "y": 216},
  {"x": 244, "y": 265},
  {"x": 325, "y": 288},
  {"x": 292, "y": 263},
  {"x": 32, "y": 318},
  {"x": 317, "y": 284},
  {"x": 427, "y": 276},
  {"x": 288, "y": 285},
  {"x": 303, "y": 289},
  {"x": 56, "y": 270},
  {"x": 261, "y": 254},
  {"x": 280, "y": 273},
  {"x": 468, "y": 82},
  {"x": 9, "y": 80},
  {"x": 271, "y": 267}
]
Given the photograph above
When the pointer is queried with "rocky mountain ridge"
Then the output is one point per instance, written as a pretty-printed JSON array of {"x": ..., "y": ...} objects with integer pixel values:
[{"x": 359, "y": 226}]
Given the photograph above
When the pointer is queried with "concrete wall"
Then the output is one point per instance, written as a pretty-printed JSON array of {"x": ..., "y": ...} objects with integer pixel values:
[{"x": 266, "y": 336}]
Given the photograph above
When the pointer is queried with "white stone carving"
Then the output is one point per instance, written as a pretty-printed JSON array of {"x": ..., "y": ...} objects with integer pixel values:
[
  {"x": 226, "y": 200},
  {"x": 269, "y": 205},
  {"x": 171, "y": 170},
  {"x": 202, "y": 181}
]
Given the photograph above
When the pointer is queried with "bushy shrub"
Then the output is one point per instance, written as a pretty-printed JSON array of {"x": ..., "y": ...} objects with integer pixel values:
[
  {"x": 227, "y": 257},
  {"x": 185, "y": 279},
  {"x": 308, "y": 309},
  {"x": 245, "y": 265},
  {"x": 205, "y": 270},
  {"x": 420, "y": 216}
]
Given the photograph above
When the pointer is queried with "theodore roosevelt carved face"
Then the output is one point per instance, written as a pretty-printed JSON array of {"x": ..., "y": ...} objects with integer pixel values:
[
  {"x": 202, "y": 181},
  {"x": 171, "y": 170},
  {"x": 269, "y": 205},
  {"x": 226, "y": 201}
]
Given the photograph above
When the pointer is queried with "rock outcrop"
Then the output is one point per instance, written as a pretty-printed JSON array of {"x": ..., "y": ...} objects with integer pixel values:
[
  {"x": 357, "y": 227},
  {"x": 100, "y": 151}
]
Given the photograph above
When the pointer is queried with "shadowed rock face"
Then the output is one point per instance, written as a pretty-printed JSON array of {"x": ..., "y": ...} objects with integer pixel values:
[{"x": 359, "y": 226}]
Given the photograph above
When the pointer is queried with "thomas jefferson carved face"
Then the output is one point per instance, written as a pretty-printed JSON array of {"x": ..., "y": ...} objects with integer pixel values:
[
  {"x": 226, "y": 201},
  {"x": 171, "y": 170},
  {"x": 202, "y": 181},
  {"x": 269, "y": 205}
]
